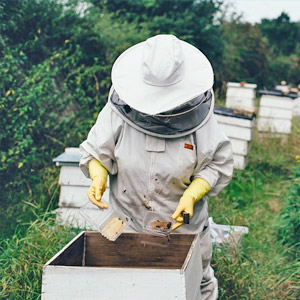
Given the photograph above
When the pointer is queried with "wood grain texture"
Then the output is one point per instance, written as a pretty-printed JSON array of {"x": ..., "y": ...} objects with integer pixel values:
[
  {"x": 72, "y": 255},
  {"x": 128, "y": 251}
]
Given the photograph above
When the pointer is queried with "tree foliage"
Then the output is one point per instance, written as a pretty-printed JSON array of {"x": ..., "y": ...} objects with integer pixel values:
[
  {"x": 246, "y": 53},
  {"x": 190, "y": 20},
  {"x": 281, "y": 33}
]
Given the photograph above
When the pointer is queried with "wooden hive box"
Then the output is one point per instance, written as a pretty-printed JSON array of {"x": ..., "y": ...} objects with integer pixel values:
[
  {"x": 73, "y": 189},
  {"x": 240, "y": 95},
  {"x": 239, "y": 129},
  {"x": 90, "y": 267},
  {"x": 275, "y": 114}
]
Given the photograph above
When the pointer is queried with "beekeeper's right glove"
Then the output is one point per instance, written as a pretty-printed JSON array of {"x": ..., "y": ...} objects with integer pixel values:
[
  {"x": 98, "y": 174},
  {"x": 196, "y": 190}
]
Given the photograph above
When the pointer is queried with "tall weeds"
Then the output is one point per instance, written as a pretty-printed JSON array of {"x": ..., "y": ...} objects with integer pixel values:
[{"x": 22, "y": 259}]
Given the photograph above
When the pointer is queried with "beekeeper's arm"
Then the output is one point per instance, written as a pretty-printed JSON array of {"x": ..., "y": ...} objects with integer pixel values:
[
  {"x": 97, "y": 153},
  {"x": 213, "y": 170}
]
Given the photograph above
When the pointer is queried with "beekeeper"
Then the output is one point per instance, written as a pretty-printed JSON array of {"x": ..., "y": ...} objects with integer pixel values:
[{"x": 159, "y": 141}]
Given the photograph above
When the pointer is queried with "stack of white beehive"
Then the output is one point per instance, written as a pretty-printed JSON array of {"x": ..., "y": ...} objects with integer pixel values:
[
  {"x": 275, "y": 112},
  {"x": 240, "y": 95},
  {"x": 73, "y": 190},
  {"x": 239, "y": 129},
  {"x": 293, "y": 93},
  {"x": 296, "y": 107}
]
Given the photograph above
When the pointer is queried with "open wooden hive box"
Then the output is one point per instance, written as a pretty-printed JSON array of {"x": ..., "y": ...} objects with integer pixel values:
[{"x": 136, "y": 266}]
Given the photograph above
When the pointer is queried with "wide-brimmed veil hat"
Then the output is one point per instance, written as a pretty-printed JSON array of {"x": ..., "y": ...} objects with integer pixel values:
[{"x": 160, "y": 74}]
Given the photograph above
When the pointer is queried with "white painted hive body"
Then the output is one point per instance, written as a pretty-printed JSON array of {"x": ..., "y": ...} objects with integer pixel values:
[
  {"x": 275, "y": 114},
  {"x": 296, "y": 107},
  {"x": 238, "y": 95},
  {"x": 239, "y": 129},
  {"x": 73, "y": 190},
  {"x": 91, "y": 267}
]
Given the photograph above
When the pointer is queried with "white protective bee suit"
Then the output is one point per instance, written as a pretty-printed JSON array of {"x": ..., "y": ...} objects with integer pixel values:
[{"x": 150, "y": 168}]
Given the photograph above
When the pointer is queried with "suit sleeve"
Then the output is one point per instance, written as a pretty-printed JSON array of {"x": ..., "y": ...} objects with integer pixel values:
[
  {"x": 215, "y": 157},
  {"x": 101, "y": 141}
]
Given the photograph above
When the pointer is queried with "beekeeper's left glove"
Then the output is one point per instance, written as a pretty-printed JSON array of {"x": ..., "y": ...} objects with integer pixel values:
[
  {"x": 98, "y": 174},
  {"x": 196, "y": 190}
]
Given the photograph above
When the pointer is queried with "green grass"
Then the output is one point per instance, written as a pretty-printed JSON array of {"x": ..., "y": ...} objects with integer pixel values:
[
  {"x": 263, "y": 266},
  {"x": 22, "y": 259}
]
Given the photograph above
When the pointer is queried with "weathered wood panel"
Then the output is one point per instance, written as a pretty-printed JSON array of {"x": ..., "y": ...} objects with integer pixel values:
[
  {"x": 78, "y": 241},
  {"x": 72, "y": 255},
  {"x": 129, "y": 251}
]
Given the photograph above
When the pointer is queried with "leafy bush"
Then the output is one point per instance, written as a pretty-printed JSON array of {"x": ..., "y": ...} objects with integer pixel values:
[{"x": 52, "y": 104}]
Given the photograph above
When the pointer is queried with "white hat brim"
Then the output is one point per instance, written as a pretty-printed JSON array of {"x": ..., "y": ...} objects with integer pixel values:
[{"x": 128, "y": 81}]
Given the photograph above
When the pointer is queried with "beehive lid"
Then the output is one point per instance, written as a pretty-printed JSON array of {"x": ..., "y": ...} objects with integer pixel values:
[
  {"x": 241, "y": 85},
  {"x": 71, "y": 156},
  {"x": 278, "y": 93},
  {"x": 229, "y": 112}
]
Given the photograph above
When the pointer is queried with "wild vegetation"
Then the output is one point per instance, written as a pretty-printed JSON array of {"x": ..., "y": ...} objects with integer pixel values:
[{"x": 55, "y": 75}]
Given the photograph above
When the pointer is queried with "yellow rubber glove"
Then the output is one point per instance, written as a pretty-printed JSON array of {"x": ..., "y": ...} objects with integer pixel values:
[
  {"x": 98, "y": 174},
  {"x": 196, "y": 190}
]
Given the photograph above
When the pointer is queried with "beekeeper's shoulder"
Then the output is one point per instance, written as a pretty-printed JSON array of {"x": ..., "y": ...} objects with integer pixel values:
[
  {"x": 210, "y": 133},
  {"x": 109, "y": 117}
]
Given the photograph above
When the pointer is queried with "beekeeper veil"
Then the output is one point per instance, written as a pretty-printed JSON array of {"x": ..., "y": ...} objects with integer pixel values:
[{"x": 163, "y": 87}]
